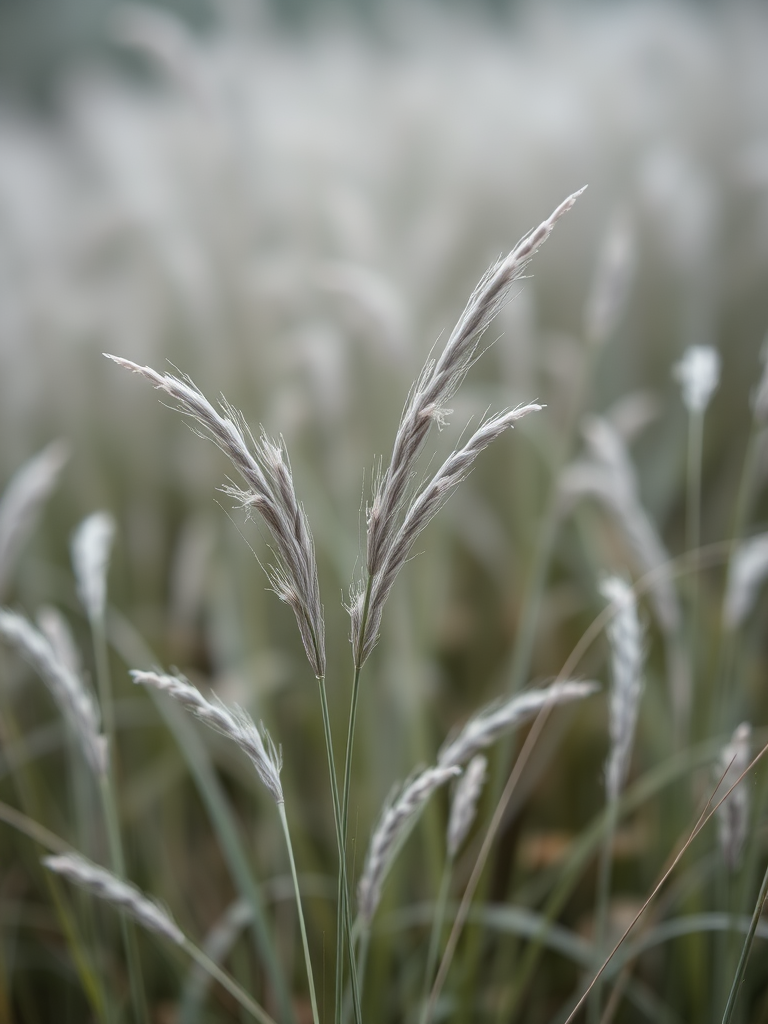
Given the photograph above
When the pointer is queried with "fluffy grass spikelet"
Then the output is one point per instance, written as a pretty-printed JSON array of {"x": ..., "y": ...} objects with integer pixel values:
[
  {"x": 233, "y": 722},
  {"x": 626, "y": 639},
  {"x": 698, "y": 374},
  {"x": 65, "y": 685},
  {"x": 496, "y": 719},
  {"x": 108, "y": 887},
  {"x": 464, "y": 803},
  {"x": 733, "y": 813},
  {"x": 270, "y": 492},
  {"x": 397, "y": 816},
  {"x": 746, "y": 573},
  {"x": 91, "y": 544}
]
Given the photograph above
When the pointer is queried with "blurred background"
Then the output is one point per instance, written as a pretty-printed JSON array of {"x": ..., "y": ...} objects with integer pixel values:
[{"x": 291, "y": 202}]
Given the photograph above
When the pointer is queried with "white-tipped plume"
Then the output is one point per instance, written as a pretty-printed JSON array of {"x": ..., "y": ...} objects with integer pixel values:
[
  {"x": 91, "y": 546},
  {"x": 397, "y": 816},
  {"x": 464, "y": 803},
  {"x": 733, "y": 813},
  {"x": 625, "y": 635},
  {"x": 22, "y": 502},
  {"x": 66, "y": 687},
  {"x": 270, "y": 492},
  {"x": 108, "y": 887},
  {"x": 698, "y": 374},
  {"x": 746, "y": 573},
  {"x": 424, "y": 508},
  {"x": 496, "y": 719},
  {"x": 233, "y": 722},
  {"x": 438, "y": 381},
  {"x": 612, "y": 281}
]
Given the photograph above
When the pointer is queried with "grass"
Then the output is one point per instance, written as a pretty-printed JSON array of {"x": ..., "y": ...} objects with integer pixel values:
[{"x": 498, "y": 593}]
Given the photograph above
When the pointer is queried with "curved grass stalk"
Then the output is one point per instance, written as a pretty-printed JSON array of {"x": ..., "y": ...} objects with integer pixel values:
[
  {"x": 300, "y": 911},
  {"x": 742, "y": 965}
]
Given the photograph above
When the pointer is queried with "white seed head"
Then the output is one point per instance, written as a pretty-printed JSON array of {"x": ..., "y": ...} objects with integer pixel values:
[
  {"x": 625, "y": 636},
  {"x": 464, "y": 803},
  {"x": 698, "y": 374},
  {"x": 66, "y": 687},
  {"x": 233, "y": 722},
  {"x": 496, "y": 719},
  {"x": 747, "y": 571},
  {"x": 91, "y": 547},
  {"x": 106, "y": 886},
  {"x": 733, "y": 813}
]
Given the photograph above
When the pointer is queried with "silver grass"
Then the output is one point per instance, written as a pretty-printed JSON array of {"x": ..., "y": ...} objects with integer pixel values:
[
  {"x": 439, "y": 380},
  {"x": 464, "y": 803},
  {"x": 90, "y": 548},
  {"x": 733, "y": 813},
  {"x": 269, "y": 492},
  {"x": 56, "y": 631},
  {"x": 747, "y": 571},
  {"x": 22, "y": 502},
  {"x": 609, "y": 477},
  {"x": 233, "y": 722},
  {"x": 625, "y": 636},
  {"x": 108, "y": 887},
  {"x": 390, "y": 830},
  {"x": 698, "y": 374},
  {"x": 612, "y": 281},
  {"x": 496, "y": 719},
  {"x": 66, "y": 687},
  {"x": 420, "y": 513}
]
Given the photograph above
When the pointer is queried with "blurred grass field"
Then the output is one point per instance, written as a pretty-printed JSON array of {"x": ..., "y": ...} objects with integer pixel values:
[{"x": 293, "y": 216}]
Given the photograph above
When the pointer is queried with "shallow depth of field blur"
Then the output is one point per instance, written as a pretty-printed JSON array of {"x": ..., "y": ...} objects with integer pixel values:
[{"x": 292, "y": 205}]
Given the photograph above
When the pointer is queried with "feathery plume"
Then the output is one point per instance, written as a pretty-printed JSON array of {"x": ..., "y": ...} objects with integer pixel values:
[
  {"x": 612, "y": 281},
  {"x": 423, "y": 509},
  {"x": 22, "y": 502},
  {"x": 270, "y": 492},
  {"x": 493, "y": 721},
  {"x": 90, "y": 549},
  {"x": 464, "y": 803},
  {"x": 397, "y": 815},
  {"x": 439, "y": 380},
  {"x": 56, "y": 631},
  {"x": 733, "y": 813},
  {"x": 625, "y": 635},
  {"x": 108, "y": 887},
  {"x": 66, "y": 687},
  {"x": 233, "y": 722},
  {"x": 698, "y": 374},
  {"x": 746, "y": 572},
  {"x": 609, "y": 477}
]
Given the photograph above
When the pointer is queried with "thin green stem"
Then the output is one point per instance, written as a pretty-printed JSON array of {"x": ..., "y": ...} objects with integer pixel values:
[
  {"x": 435, "y": 938},
  {"x": 343, "y": 923},
  {"x": 601, "y": 907},
  {"x": 227, "y": 982},
  {"x": 302, "y": 925},
  {"x": 740, "y": 969}
]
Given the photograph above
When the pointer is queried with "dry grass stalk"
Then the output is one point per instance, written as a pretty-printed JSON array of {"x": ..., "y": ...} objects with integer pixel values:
[
  {"x": 733, "y": 813},
  {"x": 389, "y": 831},
  {"x": 270, "y": 492},
  {"x": 746, "y": 572},
  {"x": 90, "y": 547},
  {"x": 23, "y": 500},
  {"x": 66, "y": 687},
  {"x": 625, "y": 635},
  {"x": 464, "y": 803},
  {"x": 233, "y": 722},
  {"x": 496, "y": 719},
  {"x": 108, "y": 887}
]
